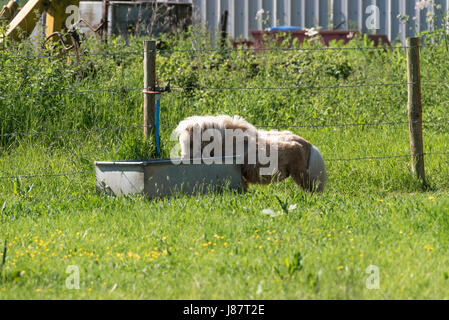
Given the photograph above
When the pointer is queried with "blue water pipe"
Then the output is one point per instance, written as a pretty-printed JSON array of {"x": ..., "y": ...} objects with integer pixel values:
[
  {"x": 284, "y": 28},
  {"x": 158, "y": 110}
]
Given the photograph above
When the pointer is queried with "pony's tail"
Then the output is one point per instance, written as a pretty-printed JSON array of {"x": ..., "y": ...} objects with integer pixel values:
[{"x": 317, "y": 170}]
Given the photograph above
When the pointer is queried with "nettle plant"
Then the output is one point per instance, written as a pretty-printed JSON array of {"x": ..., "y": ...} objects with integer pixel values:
[{"x": 436, "y": 18}]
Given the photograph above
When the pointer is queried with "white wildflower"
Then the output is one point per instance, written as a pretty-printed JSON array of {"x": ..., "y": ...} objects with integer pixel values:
[
  {"x": 259, "y": 14},
  {"x": 312, "y": 32},
  {"x": 270, "y": 212},
  {"x": 259, "y": 288},
  {"x": 423, "y": 4}
]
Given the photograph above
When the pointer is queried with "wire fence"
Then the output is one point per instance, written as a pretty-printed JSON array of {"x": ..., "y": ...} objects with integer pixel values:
[
  {"x": 96, "y": 54},
  {"x": 206, "y": 88},
  {"x": 240, "y": 88},
  {"x": 70, "y": 92},
  {"x": 242, "y": 48},
  {"x": 220, "y": 50},
  {"x": 367, "y": 158},
  {"x": 56, "y": 175},
  {"x": 123, "y": 90},
  {"x": 91, "y": 130},
  {"x": 204, "y": 50},
  {"x": 435, "y": 122}
]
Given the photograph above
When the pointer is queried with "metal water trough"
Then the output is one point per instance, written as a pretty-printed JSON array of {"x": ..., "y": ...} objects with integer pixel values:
[{"x": 162, "y": 178}]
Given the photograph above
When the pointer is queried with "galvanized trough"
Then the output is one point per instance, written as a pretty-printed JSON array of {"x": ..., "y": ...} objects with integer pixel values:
[{"x": 162, "y": 178}]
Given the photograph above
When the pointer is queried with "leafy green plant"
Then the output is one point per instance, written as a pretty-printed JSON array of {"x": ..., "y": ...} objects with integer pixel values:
[
  {"x": 5, "y": 250},
  {"x": 339, "y": 70},
  {"x": 21, "y": 190},
  {"x": 3, "y": 211},
  {"x": 134, "y": 147},
  {"x": 291, "y": 266}
]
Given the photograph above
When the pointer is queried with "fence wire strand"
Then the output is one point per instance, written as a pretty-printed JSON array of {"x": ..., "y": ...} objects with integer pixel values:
[
  {"x": 264, "y": 126},
  {"x": 71, "y": 92},
  {"x": 245, "y": 49},
  {"x": 240, "y": 49},
  {"x": 16, "y": 134},
  {"x": 76, "y": 173},
  {"x": 205, "y": 88},
  {"x": 56, "y": 175},
  {"x": 101, "y": 54}
]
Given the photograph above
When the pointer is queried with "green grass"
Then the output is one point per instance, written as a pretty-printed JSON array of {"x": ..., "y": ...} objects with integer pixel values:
[{"x": 222, "y": 246}]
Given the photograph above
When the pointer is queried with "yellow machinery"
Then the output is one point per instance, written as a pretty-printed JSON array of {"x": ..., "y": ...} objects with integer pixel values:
[
  {"x": 9, "y": 11},
  {"x": 24, "y": 22}
]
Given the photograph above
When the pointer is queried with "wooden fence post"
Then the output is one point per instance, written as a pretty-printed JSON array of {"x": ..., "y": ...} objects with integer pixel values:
[
  {"x": 415, "y": 108},
  {"x": 224, "y": 25},
  {"x": 149, "y": 103},
  {"x": 104, "y": 20}
]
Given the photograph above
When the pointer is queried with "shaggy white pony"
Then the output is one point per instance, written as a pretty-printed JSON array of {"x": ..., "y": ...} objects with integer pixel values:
[{"x": 257, "y": 150}]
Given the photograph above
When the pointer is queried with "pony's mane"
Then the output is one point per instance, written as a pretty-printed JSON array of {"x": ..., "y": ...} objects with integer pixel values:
[{"x": 220, "y": 122}]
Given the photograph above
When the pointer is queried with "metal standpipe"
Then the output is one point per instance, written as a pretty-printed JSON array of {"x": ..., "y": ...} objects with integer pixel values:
[{"x": 154, "y": 93}]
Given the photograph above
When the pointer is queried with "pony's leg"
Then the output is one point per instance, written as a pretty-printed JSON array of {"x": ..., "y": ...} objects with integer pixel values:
[{"x": 185, "y": 143}]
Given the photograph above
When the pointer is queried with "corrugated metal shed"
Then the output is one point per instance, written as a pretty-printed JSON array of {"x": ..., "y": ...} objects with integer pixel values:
[
  {"x": 328, "y": 14},
  {"x": 347, "y": 14}
]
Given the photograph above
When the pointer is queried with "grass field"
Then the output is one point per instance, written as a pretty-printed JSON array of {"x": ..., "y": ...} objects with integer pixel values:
[{"x": 223, "y": 246}]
